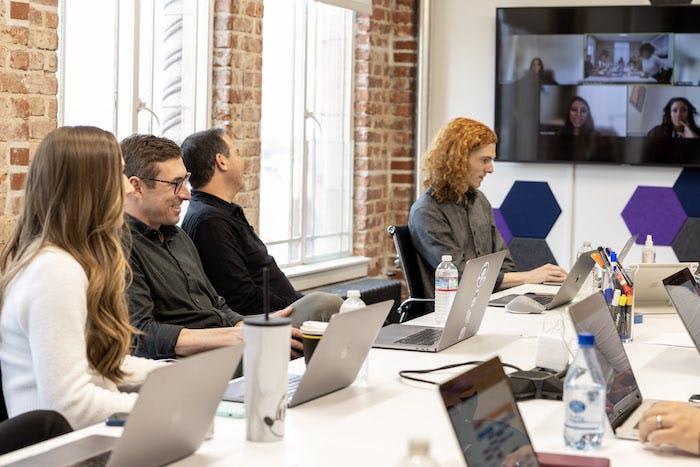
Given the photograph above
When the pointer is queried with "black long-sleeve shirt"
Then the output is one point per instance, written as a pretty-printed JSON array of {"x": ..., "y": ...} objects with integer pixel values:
[
  {"x": 233, "y": 255},
  {"x": 169, "y": 290}
]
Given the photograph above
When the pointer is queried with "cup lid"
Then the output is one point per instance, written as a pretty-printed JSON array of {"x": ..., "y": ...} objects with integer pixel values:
[
  {"x": 261, "y": 321},
  {"x": 313, "y": 327}
]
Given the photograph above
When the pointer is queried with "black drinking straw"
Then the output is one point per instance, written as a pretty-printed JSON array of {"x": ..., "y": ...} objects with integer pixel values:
[{"x": 266, "y": 294}]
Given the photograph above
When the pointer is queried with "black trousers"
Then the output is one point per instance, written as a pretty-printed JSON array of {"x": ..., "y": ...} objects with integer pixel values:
[{"x": 30, "y": 428}]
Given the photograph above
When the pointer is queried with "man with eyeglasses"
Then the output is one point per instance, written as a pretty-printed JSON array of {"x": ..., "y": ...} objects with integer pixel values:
[{"x": 171, "y": 301}]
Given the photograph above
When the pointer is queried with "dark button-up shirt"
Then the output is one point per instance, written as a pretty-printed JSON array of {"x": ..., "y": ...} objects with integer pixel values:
[
  {"x": 169, "y": 290},
  {"x": 234, "y": 256},
  {"x": 464, "y": 230}
]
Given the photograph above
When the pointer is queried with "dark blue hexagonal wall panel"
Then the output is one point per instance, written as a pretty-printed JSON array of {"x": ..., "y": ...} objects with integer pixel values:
[
  {"x": 654, "y": 210},
  {"x": 686, "y": 245},
  {"x": 530, "y": 253},
  {"x": 530, "y": 209},
  {"x": 502, "y": 226},
  {"x": 687, "y": 188}
]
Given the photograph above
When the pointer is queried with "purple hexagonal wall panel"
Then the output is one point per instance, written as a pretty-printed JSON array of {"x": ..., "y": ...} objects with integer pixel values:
[
  {"x": 502, "y": 226},
  {"x": 656, "y": 211}
]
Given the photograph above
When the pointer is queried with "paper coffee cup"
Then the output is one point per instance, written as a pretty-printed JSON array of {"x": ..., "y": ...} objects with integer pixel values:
[{"x": 311, "y": 334}]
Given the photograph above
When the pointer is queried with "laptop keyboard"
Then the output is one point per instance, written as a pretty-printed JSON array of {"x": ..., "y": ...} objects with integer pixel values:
[
  {"x": 293, "y": 385},
  {"x": 428, "y": 336},
  {"x": 541, "y": 299},
  {"x": 100, "y": 460}
]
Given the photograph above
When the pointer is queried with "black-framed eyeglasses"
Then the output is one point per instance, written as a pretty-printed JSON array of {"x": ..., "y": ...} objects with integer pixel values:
[{"x": 178, "y": 184}]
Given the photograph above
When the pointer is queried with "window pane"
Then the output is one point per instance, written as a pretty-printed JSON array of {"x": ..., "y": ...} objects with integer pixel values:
[
  {"x": 280, "y": 130},
  {"x": 306, "y": 150},
  {"x": 88, "y": 63},
  {"x": 167, "y": 68},
  {"x": 329, "y": 71}
]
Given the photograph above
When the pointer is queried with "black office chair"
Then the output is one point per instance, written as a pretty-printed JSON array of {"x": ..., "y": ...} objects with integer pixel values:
[
  {"x": 3, "y": 408},
  {"x": 415, "y": 305}
]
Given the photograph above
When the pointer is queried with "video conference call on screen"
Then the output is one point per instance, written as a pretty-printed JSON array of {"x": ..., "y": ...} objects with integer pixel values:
[{"x": 599, "y": 84}]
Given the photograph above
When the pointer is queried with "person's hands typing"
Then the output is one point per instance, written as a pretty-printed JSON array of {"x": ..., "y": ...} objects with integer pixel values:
[
  {"x": 672, "y": 423},
  {"x": 546, "y": 273}
]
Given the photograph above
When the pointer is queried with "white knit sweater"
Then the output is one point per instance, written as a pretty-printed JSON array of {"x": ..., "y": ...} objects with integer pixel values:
[{"x": 42, "y": 345}]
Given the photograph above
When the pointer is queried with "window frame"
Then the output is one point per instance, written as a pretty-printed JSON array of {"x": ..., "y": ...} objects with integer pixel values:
[
  {"x": 303, "y": 120},
  {"x": 127, "y": 70}
]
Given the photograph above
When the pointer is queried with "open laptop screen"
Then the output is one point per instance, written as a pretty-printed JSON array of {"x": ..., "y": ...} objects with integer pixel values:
[
  {"x": 485, "y": 417},
  {"x": 623, "y": 396},
  {"x": 685, "y": 295}
]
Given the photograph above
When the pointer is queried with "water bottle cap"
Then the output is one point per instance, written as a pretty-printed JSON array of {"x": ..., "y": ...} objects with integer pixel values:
[
  {"x": 447, "y": 257},
  {"x": 586, "y": 339},
  {"x": 353, "y": 293},
  {"x": 418, "y": 446}
]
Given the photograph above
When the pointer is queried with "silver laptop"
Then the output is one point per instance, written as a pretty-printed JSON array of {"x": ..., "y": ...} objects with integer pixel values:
[
  {"x": 337, "y": 359},
  {"x": 624, "y": 404},
  {"x": 171, "y": 417},
  {"x": 649, "y": 296},
  {"x": 626, "y": 249},
  {"x": 464, "y": 317},
  {"x": 488, "y": 425},
  {"x": 568, "y": 290},
  {"x": 685, "y": 295}
]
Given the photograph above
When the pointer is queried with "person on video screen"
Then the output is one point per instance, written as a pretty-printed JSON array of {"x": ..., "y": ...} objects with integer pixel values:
[
  {"x": 653, "y": 65},
  {"x": 578, "y": 120},
  {"x": 678, "y": 120},
  {"x": 588, "y": 67},
  {"x": 538, "y": 71}
]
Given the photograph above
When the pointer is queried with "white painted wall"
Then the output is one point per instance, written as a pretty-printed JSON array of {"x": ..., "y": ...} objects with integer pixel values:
[{"x": 462, "y": 58}]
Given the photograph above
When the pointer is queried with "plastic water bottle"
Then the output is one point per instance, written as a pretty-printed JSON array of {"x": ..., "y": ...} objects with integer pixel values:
[
  {"x": 586, "y": 246},
  {"x": 446, "y": 279},
  {"x": 591, "y": 284},
  {"x": 352, "y": 303},
  {"x": 584, "y": 398},
  {"x": 418, "y": 454},
  {"x": 648, "y": 251}
]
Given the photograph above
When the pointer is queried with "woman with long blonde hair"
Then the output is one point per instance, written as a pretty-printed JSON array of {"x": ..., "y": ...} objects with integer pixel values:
[
  {"x": 453, "y": 217},
  {"x": 64, "y": 326}
]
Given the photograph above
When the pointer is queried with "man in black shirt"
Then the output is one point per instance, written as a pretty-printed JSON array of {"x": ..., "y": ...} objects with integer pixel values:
[
  {"x": 232, "y": 254},
  {"x": 171, "y": 301}
]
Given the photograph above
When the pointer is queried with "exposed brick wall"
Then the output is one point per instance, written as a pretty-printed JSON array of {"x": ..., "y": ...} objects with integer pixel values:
[
  {"x": 385, "y": 69},
  {"x": 28, "y": 86},
  {"x": 237, "y": 80}
]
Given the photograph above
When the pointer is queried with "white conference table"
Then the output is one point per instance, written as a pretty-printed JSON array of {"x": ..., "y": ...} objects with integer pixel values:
[{"x": 370, "y": 425}]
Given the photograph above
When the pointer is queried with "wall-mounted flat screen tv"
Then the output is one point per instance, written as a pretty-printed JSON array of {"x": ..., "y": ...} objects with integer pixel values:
[{"x": 618, "y": 84}]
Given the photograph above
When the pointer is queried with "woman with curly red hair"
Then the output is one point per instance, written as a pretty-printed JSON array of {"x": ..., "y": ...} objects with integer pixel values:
[{"x": 453, "y": 217}]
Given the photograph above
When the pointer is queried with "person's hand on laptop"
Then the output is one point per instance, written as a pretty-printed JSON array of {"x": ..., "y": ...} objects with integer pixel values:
[
  {"x": 545, "y": 273},
  {"x": 297, "y": 348},
  {"x": 673, "y": 423}
]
